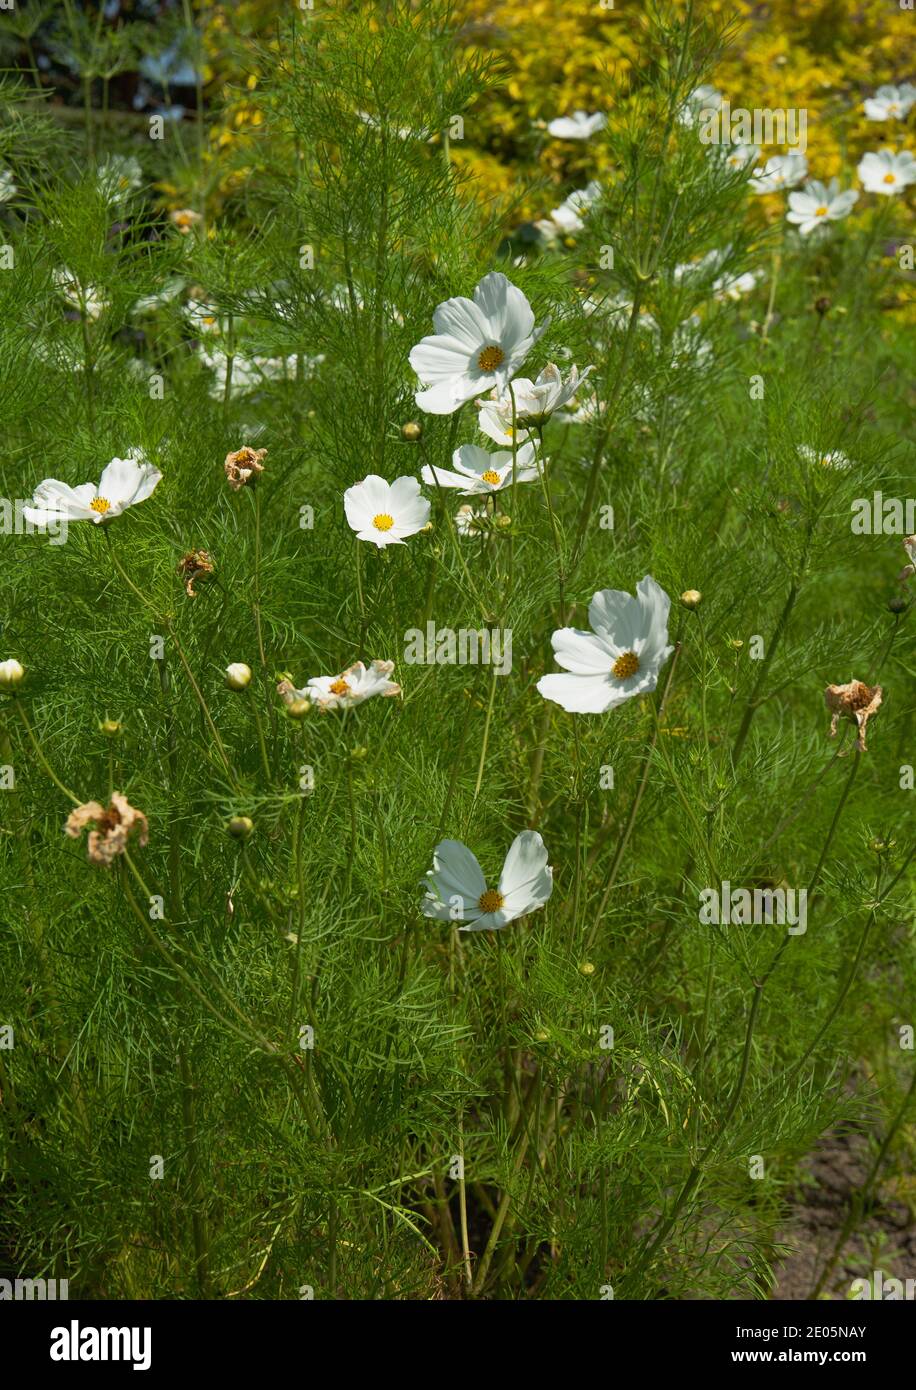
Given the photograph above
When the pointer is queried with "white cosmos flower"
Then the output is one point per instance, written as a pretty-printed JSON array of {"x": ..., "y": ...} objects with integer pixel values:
[
  {"x": 7, "y": 186},
  {"x": 781, "y": 171},
  {"x": 567, "y": 218},
  {"x": 890, "y": 103},
  {"x": 478, "y": 344},
  {"x": 579, "y": 126},
  {"x": 535, "y": 402},
  {"x": 477, "y": 471},
  {"x": 124, "y": 483},
  {"x": 119, "y": 176},
  {"x": 707, "y": 265},
  {"x": 830, "y": 458},
  {"x": 248, "y": 373},
  {"x": 887, "y": 172},
  {"x": 735, "y": 154},
  {"x": 622, "y": 655},
  {"x": 457, "y": 890},
  {"x": 705, "y": 98},
  {"x": 385, "y": 513},
  {"x": 87, "y": 298},
  {"x": 351, "y": 687},
  {"x": 818, "y": 203},
  {"x": 734, "y": 286}
]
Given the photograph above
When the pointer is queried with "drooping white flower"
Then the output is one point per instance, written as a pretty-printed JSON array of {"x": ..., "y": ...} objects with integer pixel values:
[
  {"x": 621, "y": 656},
  {"x": 535, "y": 402},
  {"x": 887, "y": 172},
  {"x": 780, "y": 171},
  {"x": 352, "y": 687},
  {"x": 830, "y": 458},
  {"x": 701, "y": 99},
  {"x": 579, "y": 126},
  {"x": 456, "y": 890},
  {"x": 890, "y": 103},
  {"x": 478, "y": 471},
  {"x": 478, "y": 344},
  {"x": 8, "y": 188},
  {"x": 567, "y": 219},
  {"x": 124, "y": 483},
  {"x": 386, "y": 513},
  {"x": 817, "y": 204}
]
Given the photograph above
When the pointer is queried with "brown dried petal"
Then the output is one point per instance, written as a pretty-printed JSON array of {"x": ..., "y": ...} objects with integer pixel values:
[{"x": 856, "y": 702}]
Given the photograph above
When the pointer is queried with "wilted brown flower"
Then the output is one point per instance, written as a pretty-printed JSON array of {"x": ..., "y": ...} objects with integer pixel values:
[
  {"x": 196, "y": 565},
  {"x": 111, "y": 828},
  {"x": 244, "y": 466},
  {"x": 909, "y": 570},
  {"x": 856, "y": 702}
]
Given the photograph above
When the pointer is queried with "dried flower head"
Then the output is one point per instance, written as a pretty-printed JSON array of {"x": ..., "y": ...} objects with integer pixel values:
[
  {"x": 856, "y": 702},
  {"x": 909, "y": 545},
  {"x": 196, "y": 565},
  {"x": 111, "y": 829},
  {"x": 244, "y": 466}
]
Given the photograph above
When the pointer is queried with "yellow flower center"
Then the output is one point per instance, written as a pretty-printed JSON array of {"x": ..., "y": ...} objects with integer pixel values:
[
  {"x": 627, "y": 664},
  {"x": 826, "y": 461},
  {"x": 383, "y": 522},
  {"x": 339, "y": 687},
  {"x": 890, "y": 178},
  {"x": 491, "y": 477},
  {"x": 490, "y": 901},
  {"x": 490, "y": 358},
  {"x": 821, "y": 211},
  {"x": 100, "y": 505}
]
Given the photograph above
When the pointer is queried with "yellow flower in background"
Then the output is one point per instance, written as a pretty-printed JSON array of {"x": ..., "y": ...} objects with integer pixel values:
[{"x": 824, "y": 58}]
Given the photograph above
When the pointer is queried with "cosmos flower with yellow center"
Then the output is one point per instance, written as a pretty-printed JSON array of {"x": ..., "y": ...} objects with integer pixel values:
[
  {"x": 385, "y": 513},
  {"x": 478, "y": 344},
  {"x": 457, "y": 891},
  {"x": 621, "y": 656},
  {"x": 477, "y": 471},
  {"x": 124, "y": 483}
]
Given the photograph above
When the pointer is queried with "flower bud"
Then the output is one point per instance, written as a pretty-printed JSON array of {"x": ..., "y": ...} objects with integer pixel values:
[
  {"x": 111, "y": 728},
  {"x": 298, "y": 709},
  {"x": 412, "y": 431},
  {"x": 359, "y": 754},
  {"x": 238, "y": 676},
  {"x": 240, "y": 827},
  {"x": 503, "y": 521},
  {"x": 690, "y": 598},
  {"x": 898, "y": 604},
  {"x": 11, "y": 674},
  {"x": 823, "y": 305},
  {"x": 587, "y": 968}
]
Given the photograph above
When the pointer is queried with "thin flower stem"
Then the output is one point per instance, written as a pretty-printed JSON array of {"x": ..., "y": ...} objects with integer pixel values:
[{"x": 637, "y": 800}]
